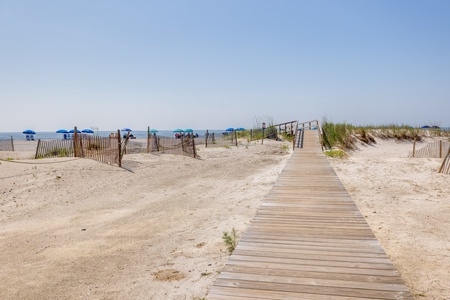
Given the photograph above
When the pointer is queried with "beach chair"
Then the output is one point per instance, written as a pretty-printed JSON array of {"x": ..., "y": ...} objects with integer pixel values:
[
  {"x": 28, "y": 137},
  {"x": 31, "y": 137}
]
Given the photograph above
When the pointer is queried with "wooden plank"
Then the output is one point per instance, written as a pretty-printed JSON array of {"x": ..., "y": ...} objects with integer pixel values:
[{"x": 308, "y": 240}]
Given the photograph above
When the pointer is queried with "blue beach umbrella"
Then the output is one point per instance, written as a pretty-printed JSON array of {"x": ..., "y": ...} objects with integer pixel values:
[
  {"x": 153, "y": 130},
  {"x": 240, "y": 129},
  {"x": 87, "y": 130},
  {"x": 72, "y": 131},
  {"x": 189, "y": 130},
  {"x": 229, "y": 129},
  {"x": 126, "y": 129},
  {"x": 28, "y": 131},
  {"x": 62, "y": 131},
  {"x": 178, "y": 130}
]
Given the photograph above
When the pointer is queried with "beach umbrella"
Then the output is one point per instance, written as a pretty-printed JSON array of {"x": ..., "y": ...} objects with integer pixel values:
[
  {"x": 178, "y": 130},
  {"x": 28, "y": 131},
  {"x": 126, "y": 129},
  {"x": 240, "y": 129},
  {"x": 62, "y": 131},
  {"x": 153, "y": 130},
  {"x": 426, "y": 126},
  {"x": 229, "y": 129},
  {"x": 189, "y": 130},
  {"x": 72, "y": 131},
  {"x": 87, "y": 130}
]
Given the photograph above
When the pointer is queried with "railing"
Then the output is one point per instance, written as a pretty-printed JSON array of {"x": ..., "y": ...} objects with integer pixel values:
[
  {"x": 308, "y": 125},
  {"x": 287, "y": 127}
]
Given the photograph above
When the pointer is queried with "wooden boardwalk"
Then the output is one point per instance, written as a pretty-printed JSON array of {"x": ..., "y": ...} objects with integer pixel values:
[{"x": 309, "y": 241}]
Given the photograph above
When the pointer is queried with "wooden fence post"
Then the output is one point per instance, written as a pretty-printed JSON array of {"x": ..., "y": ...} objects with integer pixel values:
[
  {"x": 37, "y": 149},
  {"x": 440, "y": 149},
  {"x": 81, "y": 146},
  {"x": 206, "y": 138},
  {"x": 119, "y": 144},
  {"x": 12, "y": 144},
  {"x": 414, "y": 148},
  {"x": 235, "y": 137},
  {"x": 251, "y": 135},
  {"x": 444, "y": 161},
  {"x": 75, "y": 138},
  {"x": 193, "y": 147},
  {"x": 262, "y": 141},
  {"x": 148, "y": 139}
]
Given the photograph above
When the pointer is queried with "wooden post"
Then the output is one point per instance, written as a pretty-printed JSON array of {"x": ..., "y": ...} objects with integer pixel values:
[
  {"x": 440, "y": 149},
  {"x": 414, "y": 148},
  {"x": 81, "y": 146},
  {"x": 213, "y": 137},
  {"x": 193, "y": 147},
  {"x": 156, "y": 141},
  {"x": 293, "y": 142},
  {"x": 12, "y": 144},
  {"x": 444, "y": 161},
  {"x": 148, "y": 139},
  {"x": 37, "y": 149},
  {"x": 206, "y": 138},
  {"x": 235, "y": 137},
  {"x": 251, "y": 135},
  {"x": 75, "y": 140},
  {"x": 262, "y": 141},
  {"x": 182, "y": 144},
  {"x": 119, "y": 145}
]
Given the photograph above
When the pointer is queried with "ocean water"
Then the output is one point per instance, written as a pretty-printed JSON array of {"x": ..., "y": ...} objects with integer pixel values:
[{"x": 58, "y": 136}]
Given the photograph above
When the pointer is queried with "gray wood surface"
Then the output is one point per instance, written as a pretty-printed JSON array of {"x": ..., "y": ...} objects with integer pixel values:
[{"x": 308, "y": 240}]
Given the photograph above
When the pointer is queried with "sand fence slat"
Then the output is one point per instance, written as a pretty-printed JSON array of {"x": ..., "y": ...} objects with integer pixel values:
[
  {"x": 7, "y": 144},
  {"x": 437, "y": 149}
]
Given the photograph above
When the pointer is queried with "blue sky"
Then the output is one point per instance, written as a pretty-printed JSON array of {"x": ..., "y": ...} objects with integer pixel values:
[{"x": 217, "y": 64}]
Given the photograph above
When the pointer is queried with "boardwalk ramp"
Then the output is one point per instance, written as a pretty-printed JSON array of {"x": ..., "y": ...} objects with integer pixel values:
[{"x": 309, "y": 241}]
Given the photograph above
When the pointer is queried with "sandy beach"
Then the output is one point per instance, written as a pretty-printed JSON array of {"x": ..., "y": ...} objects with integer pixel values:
[
  {"x": 79, "y": 229},
  {"x": 407, "y": 205}
]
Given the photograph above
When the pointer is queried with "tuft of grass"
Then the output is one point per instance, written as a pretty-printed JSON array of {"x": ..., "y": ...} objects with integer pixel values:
[
  {"x": 55, "y": 152},
  {"x": 284, "y": 148},
  {"x": 9, "y": 158},
  {"x": 336, "y": 153},
  {"x": 287, "y": 136},
  {"x": 230, "y": 240}
]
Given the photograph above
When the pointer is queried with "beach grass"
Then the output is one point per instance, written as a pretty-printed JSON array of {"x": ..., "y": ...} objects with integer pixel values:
[{"x": 345, "y": 135}]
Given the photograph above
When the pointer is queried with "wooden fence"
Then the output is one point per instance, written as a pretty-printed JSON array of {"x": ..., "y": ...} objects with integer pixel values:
[
  {"x": 7, "y": 144},
  {"x": 213, "y": 140},
  {"x": 103, "y": 149},
  {"x": 445, "y": 166},
  {"x": 169, "y": 145},
  {"x": 437, "y": 149}
]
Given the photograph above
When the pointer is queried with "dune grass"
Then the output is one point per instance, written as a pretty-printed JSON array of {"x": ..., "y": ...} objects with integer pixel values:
[{"x": 345, "y": 136}]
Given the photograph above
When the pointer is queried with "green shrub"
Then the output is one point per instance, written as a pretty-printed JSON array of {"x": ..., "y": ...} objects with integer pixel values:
[
  {"x": 336, "y": 153},
  {"x": 230, "y": 240}
]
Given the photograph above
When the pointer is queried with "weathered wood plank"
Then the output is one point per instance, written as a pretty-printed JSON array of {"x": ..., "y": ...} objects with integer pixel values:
[{"x": 308, "y": 240}]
